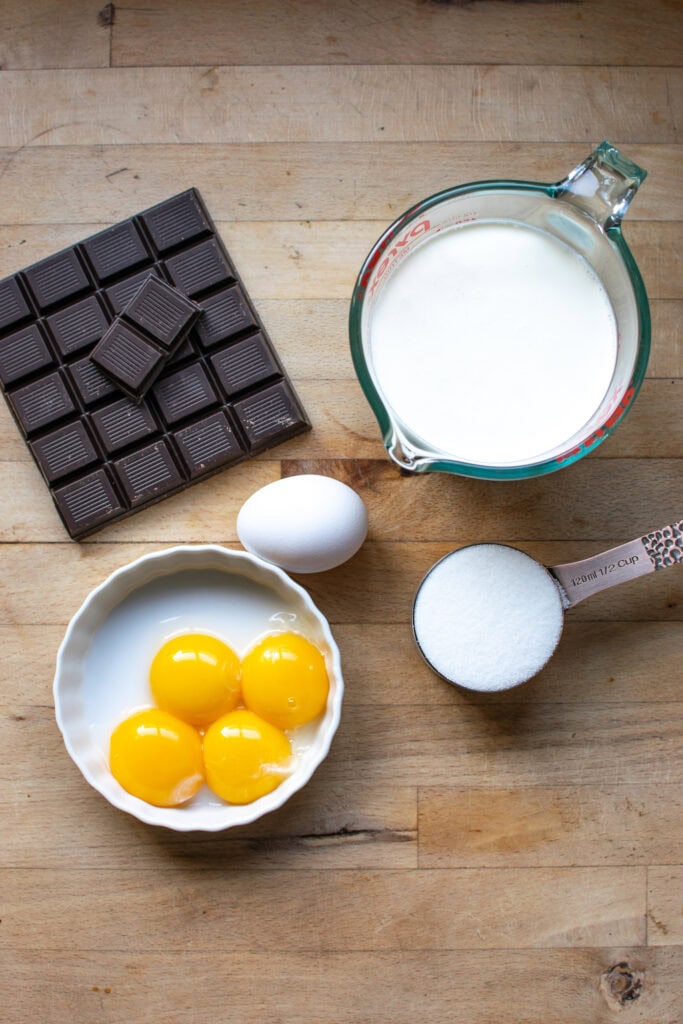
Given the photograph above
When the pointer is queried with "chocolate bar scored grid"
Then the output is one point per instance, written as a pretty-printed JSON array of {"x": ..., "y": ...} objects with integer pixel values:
[{"x": 223, "y": 397}]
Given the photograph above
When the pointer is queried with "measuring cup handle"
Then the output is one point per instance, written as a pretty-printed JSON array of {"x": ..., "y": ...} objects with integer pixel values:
[
  {"x": 603, "y": 185},
  {"x": 656, "y": 550}
]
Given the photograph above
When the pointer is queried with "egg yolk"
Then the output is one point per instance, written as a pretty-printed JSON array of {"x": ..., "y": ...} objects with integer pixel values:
[
  {"x": 284, "y": 680},
  {"x": 196, "y": 677},
  {"x": 245, "y": 757},
  {"x": 157, "y": 758}
]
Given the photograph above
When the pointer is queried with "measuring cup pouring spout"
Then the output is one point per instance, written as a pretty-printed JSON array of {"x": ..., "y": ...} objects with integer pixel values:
[{"x": 501, "y": 329}]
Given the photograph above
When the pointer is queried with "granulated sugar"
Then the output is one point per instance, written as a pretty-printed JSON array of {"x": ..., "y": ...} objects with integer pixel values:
[{"x": 488, "y": 617}]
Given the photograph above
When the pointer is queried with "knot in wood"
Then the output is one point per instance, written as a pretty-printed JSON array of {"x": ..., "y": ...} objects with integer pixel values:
[{"x": 621, "y": 985}]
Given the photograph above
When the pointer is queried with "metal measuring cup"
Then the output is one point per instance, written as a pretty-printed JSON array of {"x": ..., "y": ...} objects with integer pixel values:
[{"x": 573, "y": 581}]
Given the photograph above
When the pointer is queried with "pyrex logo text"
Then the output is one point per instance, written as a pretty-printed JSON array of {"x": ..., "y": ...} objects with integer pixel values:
[{"x": 418, "y": 229}]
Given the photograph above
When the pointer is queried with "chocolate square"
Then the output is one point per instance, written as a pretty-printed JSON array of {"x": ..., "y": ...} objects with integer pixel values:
[
  {"x": 128, "y": 359},
  {"x": 183, "y": 393},
  {"x": 196, "y": 269},
  {"x": 90, "y": 383},
  {"x": 245, "y": 363},
  {"x": 13, "y": 305},
  {"x": 224, "y": 315},
  {"x": 63, "y": 451},
  {"x": 56, "y": 278},
  {"x": 43, "y": 401},
  {"x": 163, "y": 312},
  {"x": 78, "y": 326},
  {"x": 88, "y": 503},
  {"x": 122, "y": 292},
  {"x": 148, "y": 473},
  {"x": 207, "y": 444},
  {"x": 116, "y": 249},
  {"x": 273, "y": 412},
  {"x": 175, "y": 221},
  {"x": 119, "y": 424},
  {"x": 22, "y": 353}
]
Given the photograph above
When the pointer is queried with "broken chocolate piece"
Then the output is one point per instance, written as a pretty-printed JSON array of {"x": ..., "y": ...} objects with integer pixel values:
[{"x": 144, "y": 336}]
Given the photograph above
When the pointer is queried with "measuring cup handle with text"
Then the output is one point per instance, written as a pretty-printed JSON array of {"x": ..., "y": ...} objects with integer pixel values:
[{"x": 653, "y": 551}]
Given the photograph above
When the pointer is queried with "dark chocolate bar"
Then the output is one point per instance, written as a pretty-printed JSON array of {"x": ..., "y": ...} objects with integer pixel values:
[
  {"x": 222, "y": 397},
  {"x": 144, "y": 336}
]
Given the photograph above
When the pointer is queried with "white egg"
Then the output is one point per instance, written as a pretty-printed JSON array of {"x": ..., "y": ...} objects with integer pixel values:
[{"x": 304, "y": 523}]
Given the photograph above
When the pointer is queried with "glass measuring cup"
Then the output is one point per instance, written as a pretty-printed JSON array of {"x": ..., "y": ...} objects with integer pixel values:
[
  {"x": 488, "y": 617},
  {"x": 582, "y": 212}
]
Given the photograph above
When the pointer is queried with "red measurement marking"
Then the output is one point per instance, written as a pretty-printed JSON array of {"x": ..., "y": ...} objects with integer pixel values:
[{"x": 600, "y": 432}]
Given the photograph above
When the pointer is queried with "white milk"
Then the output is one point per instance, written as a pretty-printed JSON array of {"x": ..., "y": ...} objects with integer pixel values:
[{"x": 494, "y": 342}]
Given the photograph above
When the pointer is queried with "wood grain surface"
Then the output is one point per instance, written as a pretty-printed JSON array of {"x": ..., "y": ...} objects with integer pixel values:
[{"x": 458, "y": 858}]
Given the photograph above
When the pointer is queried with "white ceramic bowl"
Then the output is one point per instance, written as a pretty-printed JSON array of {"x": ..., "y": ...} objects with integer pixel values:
[{"x": 103, "y": 663}]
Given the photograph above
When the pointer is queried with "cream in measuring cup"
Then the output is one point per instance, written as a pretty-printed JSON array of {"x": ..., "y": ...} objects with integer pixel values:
[
  {"x": 501, "y": 329},
  {"x": 494, "y": 342}
]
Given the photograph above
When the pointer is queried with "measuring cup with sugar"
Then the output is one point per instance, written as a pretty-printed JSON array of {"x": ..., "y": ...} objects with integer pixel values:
[
  {"x": 488, "y": 617},
  {"x": 501, "y": 329}
]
